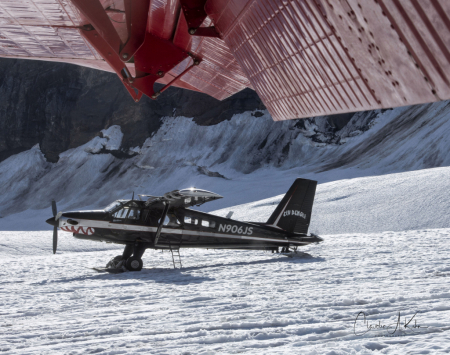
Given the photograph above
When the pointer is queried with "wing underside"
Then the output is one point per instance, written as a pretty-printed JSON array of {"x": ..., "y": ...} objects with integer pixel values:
[{"x": 303, "y": 57}]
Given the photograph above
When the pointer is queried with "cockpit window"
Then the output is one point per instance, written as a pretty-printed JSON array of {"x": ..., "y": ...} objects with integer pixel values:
[
  {"x": 128, "y": 212},
  {"x": 121, "y": 213},
  {"x": 113, "y": 206}
]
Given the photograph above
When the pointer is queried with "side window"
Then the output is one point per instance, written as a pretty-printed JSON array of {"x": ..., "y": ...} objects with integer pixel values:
[
  {"x": 134, "y": 213},
  {"x": 210, "y": 224},
  {"x": 121, "y": 213},
  {"x": 189, "y": 220}
]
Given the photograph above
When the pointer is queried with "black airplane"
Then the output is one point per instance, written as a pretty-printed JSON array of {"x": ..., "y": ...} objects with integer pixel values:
[{"x": 167, "y": 222}]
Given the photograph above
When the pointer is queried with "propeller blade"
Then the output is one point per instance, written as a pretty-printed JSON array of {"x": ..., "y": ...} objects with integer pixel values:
[
  {"x": 54, "y": 210},
  {"x": 55, "y": 238}
]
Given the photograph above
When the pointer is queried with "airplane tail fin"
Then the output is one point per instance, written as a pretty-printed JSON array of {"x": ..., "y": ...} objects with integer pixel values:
[{"x": 293, "y": 213}]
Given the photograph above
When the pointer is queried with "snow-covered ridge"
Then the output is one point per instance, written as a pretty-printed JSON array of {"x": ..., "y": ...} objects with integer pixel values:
[
  {"x": 245, "y": 159},
  {"x": 109, "y": 139}
]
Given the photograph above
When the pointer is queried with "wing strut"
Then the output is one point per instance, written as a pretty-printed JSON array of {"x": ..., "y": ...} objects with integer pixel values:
[
  {"x": 163, "y": 217},
  {"x": 153, "y": 57},
  {"x": 195, "y": 13}
]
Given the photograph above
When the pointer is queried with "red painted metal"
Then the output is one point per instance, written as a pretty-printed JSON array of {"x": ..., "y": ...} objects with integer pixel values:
[
  {"x": 153, "y": 56},
  {"x": 157, "y": 56},
  {"x": 48, "y": 30},
  {"x": 163, "y": 17},
  {"x": 153, "y": 59},
  {"x": 311, "y": 57},
  {"x": 136, "y": 14},
  {"x": 303, "y": 57},
  {"x": 175, "y": 79},
  {"x": 94, "y": 12},
  {"x": 195, "y": 14},
  {"x": 219, "y": 75}
]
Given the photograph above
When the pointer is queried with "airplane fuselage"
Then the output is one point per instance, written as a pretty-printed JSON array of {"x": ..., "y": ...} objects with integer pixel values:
[{"x": 190, "y": 229}]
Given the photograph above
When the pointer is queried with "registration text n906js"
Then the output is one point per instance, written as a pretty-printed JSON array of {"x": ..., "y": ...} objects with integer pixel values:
[{"x": 235, "y": 229}]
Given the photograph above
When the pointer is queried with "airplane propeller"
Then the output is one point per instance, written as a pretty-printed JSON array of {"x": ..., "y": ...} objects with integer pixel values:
[{"x": 55, "y": 227}]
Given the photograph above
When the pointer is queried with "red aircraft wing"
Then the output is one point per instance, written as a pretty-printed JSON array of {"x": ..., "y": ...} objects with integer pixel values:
[{"x": 303, "y": 57}]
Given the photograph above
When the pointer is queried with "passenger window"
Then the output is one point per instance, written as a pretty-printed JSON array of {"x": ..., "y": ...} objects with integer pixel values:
[
  {"x": 190, "y": 220},
  {"x": 210, "y": 224}
]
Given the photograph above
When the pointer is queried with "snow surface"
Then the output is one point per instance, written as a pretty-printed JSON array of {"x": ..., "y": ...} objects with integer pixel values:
[
  {"x": 229, "y": 302},
  {"x": 225, "y": 302}
]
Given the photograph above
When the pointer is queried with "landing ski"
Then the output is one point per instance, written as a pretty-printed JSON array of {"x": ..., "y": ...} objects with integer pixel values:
[{"x": 109, "y": 270}]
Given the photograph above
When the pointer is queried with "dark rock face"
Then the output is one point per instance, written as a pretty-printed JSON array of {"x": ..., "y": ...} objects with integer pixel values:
[{"x": 62, "y": 106}]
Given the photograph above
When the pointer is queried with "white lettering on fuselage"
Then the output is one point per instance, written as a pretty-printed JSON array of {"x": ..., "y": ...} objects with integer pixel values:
[
  {"x": 294, "y": 213},
  {"x": 229, "y": 228}
]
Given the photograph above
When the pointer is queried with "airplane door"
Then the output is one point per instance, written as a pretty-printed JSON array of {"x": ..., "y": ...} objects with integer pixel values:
[{"x": 134, "y": 215}]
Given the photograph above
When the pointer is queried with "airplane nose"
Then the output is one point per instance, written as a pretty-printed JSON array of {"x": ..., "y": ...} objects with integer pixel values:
[{"x": 52, "y": 221}]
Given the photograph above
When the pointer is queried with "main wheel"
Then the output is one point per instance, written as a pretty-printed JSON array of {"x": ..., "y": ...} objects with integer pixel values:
[{"x": 134, "y": 264}]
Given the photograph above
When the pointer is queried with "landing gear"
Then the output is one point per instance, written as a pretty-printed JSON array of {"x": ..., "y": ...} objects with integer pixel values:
[
  {"x": 131, "y": 259},
  {"x": 134, "y": 264},
  {"x": 115, "y": 263},
  {"x": 289, "y": 249}
]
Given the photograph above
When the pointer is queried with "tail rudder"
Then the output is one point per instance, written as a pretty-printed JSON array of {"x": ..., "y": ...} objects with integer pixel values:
[{"x": 293, "y": 213}]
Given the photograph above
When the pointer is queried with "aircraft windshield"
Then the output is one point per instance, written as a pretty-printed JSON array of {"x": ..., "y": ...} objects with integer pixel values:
[
  {"x": 113, "y": 206},
  {"x": 131, "y": 211}
]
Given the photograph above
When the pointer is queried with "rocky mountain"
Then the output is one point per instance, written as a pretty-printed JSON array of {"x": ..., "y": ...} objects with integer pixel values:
[{"x": 61, "y": 106}]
